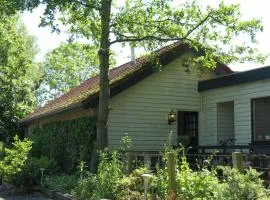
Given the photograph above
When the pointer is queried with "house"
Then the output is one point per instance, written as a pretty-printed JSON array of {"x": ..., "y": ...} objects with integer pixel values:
[{"x": 214, "y": 108}]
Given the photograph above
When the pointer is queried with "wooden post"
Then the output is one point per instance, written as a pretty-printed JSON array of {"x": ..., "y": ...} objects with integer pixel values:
[
  {"x": 147, "y": 160},
  {"x": 129, "y": 162},
  {"x": 238, "y": 162},
  {"x": 171, "y": 172}
]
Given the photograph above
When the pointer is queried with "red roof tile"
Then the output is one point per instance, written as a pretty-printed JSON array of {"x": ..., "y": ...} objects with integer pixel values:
[{"x": 91, "y": 86}]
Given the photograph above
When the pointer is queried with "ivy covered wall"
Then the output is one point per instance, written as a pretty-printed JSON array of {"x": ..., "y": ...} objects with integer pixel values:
[{"x": 67, "y": 142}]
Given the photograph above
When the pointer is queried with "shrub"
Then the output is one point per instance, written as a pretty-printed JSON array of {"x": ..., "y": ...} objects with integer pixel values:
[
  {"x": 86, "y": 187},
  {"x": 65, "y": 142},
  {"x": 117, "y": 187},
  {"x": 246, "y": 186},
  {"x": 14, "y": 159},
  {"x": 62, "y": 183},
  {"x": 132, "y": 186},
  {"x": 106, "y": 182},
  {"x": 109, "y": 174},
  {"x": 112, "y": 183},
  {"x": 192, "y": 185},
  {"x": 204, "y": 184},
  {"x": 161, "y": 183},
  {"x": 31, "y": 173}
]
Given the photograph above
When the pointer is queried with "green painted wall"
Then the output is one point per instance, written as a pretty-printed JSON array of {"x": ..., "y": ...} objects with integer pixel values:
[
  {"x": 141, "y": 111},
  {"x": 241, "y": 95}
]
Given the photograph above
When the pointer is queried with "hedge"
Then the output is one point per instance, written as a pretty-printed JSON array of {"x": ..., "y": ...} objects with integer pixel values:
[{"x": 67, "y": 143}]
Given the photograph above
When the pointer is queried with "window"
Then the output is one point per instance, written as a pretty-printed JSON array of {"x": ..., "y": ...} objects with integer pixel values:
[
  {"x": 261, "y": 119},
  {"x": 188, "y": 128},
  {"x": 225, "y": 123}
]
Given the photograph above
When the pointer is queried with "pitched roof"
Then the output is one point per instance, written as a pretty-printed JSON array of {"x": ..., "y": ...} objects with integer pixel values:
[{"x": 77, "y": 95}]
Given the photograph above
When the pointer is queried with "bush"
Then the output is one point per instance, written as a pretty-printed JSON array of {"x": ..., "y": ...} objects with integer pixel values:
[
  {"x": 107, "y": 181},
  {"x": 246, "y": 186},
  {"x": 14, "y": 159},
  {"x": 112, "y": 183},
  {"x": 31, "y": 173},
  {"x": 86, "y": 187},
  {"x": 190, "y": 185},
  {"x": 202, "y": 184},
  {"x": 110, "y": 172},
  {"x": 63, "y": 183},
  {"x": 132, "y": 186},
  {"x": 65, "y": 142}
]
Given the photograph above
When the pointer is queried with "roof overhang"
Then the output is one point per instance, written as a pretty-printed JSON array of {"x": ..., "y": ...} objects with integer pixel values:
[
  {"x": 235, "y": 79},
  {"x": 61, "y": 110}
]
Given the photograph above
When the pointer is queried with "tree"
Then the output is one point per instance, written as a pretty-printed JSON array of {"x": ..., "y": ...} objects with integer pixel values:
[
  {"x": 65, "y": 67},
  {"x": 210, "y": 31},
  {"x": 19, "y": 75}
]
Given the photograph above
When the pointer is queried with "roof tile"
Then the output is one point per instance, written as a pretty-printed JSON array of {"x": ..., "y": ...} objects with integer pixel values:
[{"x": 91, "y": 86}]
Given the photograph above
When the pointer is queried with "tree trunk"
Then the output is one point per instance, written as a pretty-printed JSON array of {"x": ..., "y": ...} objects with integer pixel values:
[{"x": 104, "y": 94}]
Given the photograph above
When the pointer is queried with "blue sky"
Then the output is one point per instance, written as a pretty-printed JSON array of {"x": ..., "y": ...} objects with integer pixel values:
[{"x": 250, "y": 9}]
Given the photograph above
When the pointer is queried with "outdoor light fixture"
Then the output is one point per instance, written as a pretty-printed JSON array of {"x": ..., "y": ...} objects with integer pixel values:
[
  {"x": 146, "y": 178},
  {"x": 171, "y": 117},
  {"x": 42, "y": 176}
]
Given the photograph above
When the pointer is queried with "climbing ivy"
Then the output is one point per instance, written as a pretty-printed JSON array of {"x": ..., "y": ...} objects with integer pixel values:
[{"x": 67, "y": 142}]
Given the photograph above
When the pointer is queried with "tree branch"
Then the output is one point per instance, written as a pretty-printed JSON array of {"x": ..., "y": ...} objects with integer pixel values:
[
  {"x": 151, "y": 37},
  {"x": 148, "y": 37},
  {"x": 198, "y": 25},
  {"x": 170, "y": 20}
]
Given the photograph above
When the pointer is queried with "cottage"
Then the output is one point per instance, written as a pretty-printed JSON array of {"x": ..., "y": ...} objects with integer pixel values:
[{"x": 213, "y": 109}]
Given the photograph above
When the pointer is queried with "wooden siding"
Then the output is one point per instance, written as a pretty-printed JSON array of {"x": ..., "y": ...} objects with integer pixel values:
[
  {"x": 241, "y": 95},
  {"x": 141, "y": 111}
]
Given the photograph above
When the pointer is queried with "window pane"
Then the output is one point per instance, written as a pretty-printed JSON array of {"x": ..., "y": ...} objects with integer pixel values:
[{"x": 261, "y": 121}]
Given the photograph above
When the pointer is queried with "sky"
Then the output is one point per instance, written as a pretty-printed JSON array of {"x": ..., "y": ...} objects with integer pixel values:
[{"x": 249, "y": 8}]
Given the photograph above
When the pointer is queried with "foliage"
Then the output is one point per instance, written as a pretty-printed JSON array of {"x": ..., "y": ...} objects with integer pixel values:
[
  {"x": 152, "y": 23},
  {"x": 19, "y": 74},
  {"x": 243, "y": 186},
  {"x": 106, "y": 182},
  {"x": 126, "y": 143},
  {"x": 132, "y": 186},
  {"x": 210, "y": 31},
  {"x": 66, "y": 67},
  {"x": 63, "y": 183},
  {"x": 85, "y": 187},
  {"x": 67, "y": 142},
  {"x": 161, "y": 183},
  {"x": 15, "y": 158},
  {"x": 110, "y": 181},
  {"x": 31, "y": 173},
  {"x": 109, "y": 174},
  {"x": 202, "y": 184},
  {"x": 20, "y": 169}
]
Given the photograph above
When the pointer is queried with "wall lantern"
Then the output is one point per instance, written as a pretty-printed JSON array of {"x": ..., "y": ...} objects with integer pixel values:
[{"x": 171, "y": 117}]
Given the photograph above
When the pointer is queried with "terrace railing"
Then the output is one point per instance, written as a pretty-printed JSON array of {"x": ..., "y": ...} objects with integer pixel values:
[{"x": 261, "y": 162}]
